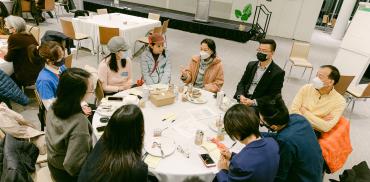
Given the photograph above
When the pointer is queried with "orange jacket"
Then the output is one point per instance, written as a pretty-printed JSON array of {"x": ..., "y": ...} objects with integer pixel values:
[
  {"x": 336, "y": 145},
  {"x": 213, "y": 76}
]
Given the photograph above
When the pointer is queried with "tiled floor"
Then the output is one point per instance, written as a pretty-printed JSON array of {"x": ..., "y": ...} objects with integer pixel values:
[{"x": 235, "y": 56}]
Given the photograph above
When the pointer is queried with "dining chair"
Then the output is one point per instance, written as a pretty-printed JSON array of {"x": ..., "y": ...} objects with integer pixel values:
[
  {"x": 358, "y": 92},
  {"x": 69, "y": 31},
  {"x": 68, "y": 61},
  {"x": 154, "y": 16},
  {"x": 299, "y": 57},
  {"x": 35, "y": 31},
  {"x": 164, "y": 29},
  {"x": 99, "y": 92},
  {"x": 26, "y": 8},
  {"x": 42, "y": 110},
  {"x": 145, "y": 40},
  {"x": 343, "y": 84},
  {"x": 49, "y": 7},
  {"x": 102, "y": 11},
  {"x": 105, "y": 34}
]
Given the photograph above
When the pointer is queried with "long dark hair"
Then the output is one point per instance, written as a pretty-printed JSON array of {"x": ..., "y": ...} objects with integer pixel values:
[
  {"x": 72, "y": 87},
  {"x": 211, "y": 45},
  {"x": 123, "y": 141},
  {"x": 113, "y": 62}
]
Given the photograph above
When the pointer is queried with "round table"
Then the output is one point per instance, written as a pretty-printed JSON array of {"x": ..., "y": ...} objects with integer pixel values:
[{"x": 177, "y": 167}]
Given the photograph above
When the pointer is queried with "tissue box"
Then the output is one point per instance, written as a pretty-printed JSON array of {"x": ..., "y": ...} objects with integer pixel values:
[{"x": 162, "y": 98}]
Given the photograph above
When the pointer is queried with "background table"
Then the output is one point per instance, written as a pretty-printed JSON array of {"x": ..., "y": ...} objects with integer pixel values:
[
  {"x": 177, "y": 167},
  {"x": 5, "y": 66},
  {"x": 135, "y": 28}
]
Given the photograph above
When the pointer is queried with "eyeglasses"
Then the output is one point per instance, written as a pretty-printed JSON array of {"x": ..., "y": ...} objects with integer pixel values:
[{"x": 263, "y": 51}]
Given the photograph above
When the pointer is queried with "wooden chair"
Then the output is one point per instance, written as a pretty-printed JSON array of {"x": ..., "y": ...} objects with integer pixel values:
[
  {"x": 343, "y": 84},
  {"x": 99, "y": 92},
  {"x": 164, "y": 29},
  {"x": 357, "y": 92},
  {"x": 299, "y": 57},
  {"x": 42, "y": 110},
  {"x": 325, "y": 20},
  {"x": 145, "y": 39},
  {"x": 35, "y": 31},
  {"x": 26, "y": 8},
  {"x": 332, "y": 23},
  {"x": 102, "y": 11},
  {"x": 105, "y": 34},
  {"x": 50, "y": 6},
  {"x": 154, "y": 16},
  {"x": 69, "y": 31},
  {"x": 68, "y": 61}
]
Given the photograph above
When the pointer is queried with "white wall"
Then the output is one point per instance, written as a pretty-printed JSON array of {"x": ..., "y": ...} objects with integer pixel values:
[
  {"x": 293, "y": 19},
  {"x": 353, "y": 57}
]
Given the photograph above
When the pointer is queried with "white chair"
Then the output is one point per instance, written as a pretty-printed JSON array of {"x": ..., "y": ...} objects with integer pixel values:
[
  {"x": 154, "y": 16},
  {"x": 299, "y": 57},
  {"x": 358, "y": 92}
]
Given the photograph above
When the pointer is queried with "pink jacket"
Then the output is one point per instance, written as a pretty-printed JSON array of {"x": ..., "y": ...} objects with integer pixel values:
[{"x": 213, "y": 76}]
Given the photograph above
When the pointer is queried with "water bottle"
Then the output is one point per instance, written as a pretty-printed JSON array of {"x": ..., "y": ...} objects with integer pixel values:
[{"x": 220, "y": 97}]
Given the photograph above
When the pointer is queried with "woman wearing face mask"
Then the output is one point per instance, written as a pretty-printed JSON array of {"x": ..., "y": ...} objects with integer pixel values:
[
  {"x": 155, "y": 67},
  {"x": 115, "y": 70},
  {"x": 47, "y": 81},
  {"x": 205, "y": 70},
  {"x": 25, "y": 71}
]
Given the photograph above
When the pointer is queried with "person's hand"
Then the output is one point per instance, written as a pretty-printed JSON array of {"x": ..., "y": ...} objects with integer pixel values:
[
  {"x": 226, "y": 153},
  {"x": 223, "y": 163},
  {"x": 86, "y": 109},
  {"x": 328, "y": 117},
  {"x": 303, "y": 109},
  {"x": 246, "y": 101}
]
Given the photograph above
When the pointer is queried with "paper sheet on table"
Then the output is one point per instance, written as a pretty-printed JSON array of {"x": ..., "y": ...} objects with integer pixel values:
[
  {"x": 203, "y": 113},
  {"x": 212, "y": 150},
  {"x": 188, "y": 128},
  {"x": 152, "y": 161}
]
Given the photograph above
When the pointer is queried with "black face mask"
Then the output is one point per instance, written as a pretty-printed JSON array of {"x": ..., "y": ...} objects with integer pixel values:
[
  {"x": 261, "y": 56},
  {"x": 60, "y": 63}
]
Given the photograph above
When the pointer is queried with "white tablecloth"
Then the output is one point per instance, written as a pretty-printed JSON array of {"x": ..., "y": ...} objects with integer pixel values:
[
  {"x": 7, "y": 67},
  {"x": 135, "y": 28},
  {"x": 177, "y": 167}
]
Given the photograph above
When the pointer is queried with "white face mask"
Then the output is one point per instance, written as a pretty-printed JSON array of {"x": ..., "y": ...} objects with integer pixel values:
[
  {"x": 317, "y": 83},
  {"x": 204, "y": 55}
]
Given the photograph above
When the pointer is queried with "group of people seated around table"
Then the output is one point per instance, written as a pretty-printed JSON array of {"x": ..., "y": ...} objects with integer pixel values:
[{"x": 288, "y": 152}]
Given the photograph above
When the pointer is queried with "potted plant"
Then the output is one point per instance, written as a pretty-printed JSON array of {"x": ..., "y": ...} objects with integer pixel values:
[{"x": 243, "y": 15}]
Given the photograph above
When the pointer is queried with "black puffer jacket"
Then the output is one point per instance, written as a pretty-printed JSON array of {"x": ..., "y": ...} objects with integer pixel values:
[{"x": 18, "y": 160}]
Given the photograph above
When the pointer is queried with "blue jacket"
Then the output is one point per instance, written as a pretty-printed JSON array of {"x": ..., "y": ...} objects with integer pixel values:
[
  {"x": 258, "y": 162},
  {"x": 162, "y": 74},
  {"x": 10, "y": 90},
  {"x": 300, "y": 153}
]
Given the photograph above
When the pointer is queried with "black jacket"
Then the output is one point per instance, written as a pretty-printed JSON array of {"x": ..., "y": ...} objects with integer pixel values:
[
  {"x": 269, "y": 85},
  {"x": 18, "y": 159}
]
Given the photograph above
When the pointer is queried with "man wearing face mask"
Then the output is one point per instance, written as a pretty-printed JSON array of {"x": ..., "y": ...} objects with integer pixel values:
[
  {"x": 205, "y": 70},
  {"x": 300, "y": 153},
  {"x": 319, "y": 102},
  {"x": 261, "y": 78},
  {"x": 47, "y": 81}
]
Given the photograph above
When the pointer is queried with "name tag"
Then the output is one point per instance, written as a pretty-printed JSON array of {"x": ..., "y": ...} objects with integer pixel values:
[{"x": 124, "y": 74}]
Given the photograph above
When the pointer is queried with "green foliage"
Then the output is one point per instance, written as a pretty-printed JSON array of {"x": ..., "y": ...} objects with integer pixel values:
[{"x": 245, "y": 14}]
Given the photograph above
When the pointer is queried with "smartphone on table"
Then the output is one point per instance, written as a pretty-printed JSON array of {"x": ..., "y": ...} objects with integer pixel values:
[
  {"x": 100, "y": 128},
  {"x": 207, "y": 160}
]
